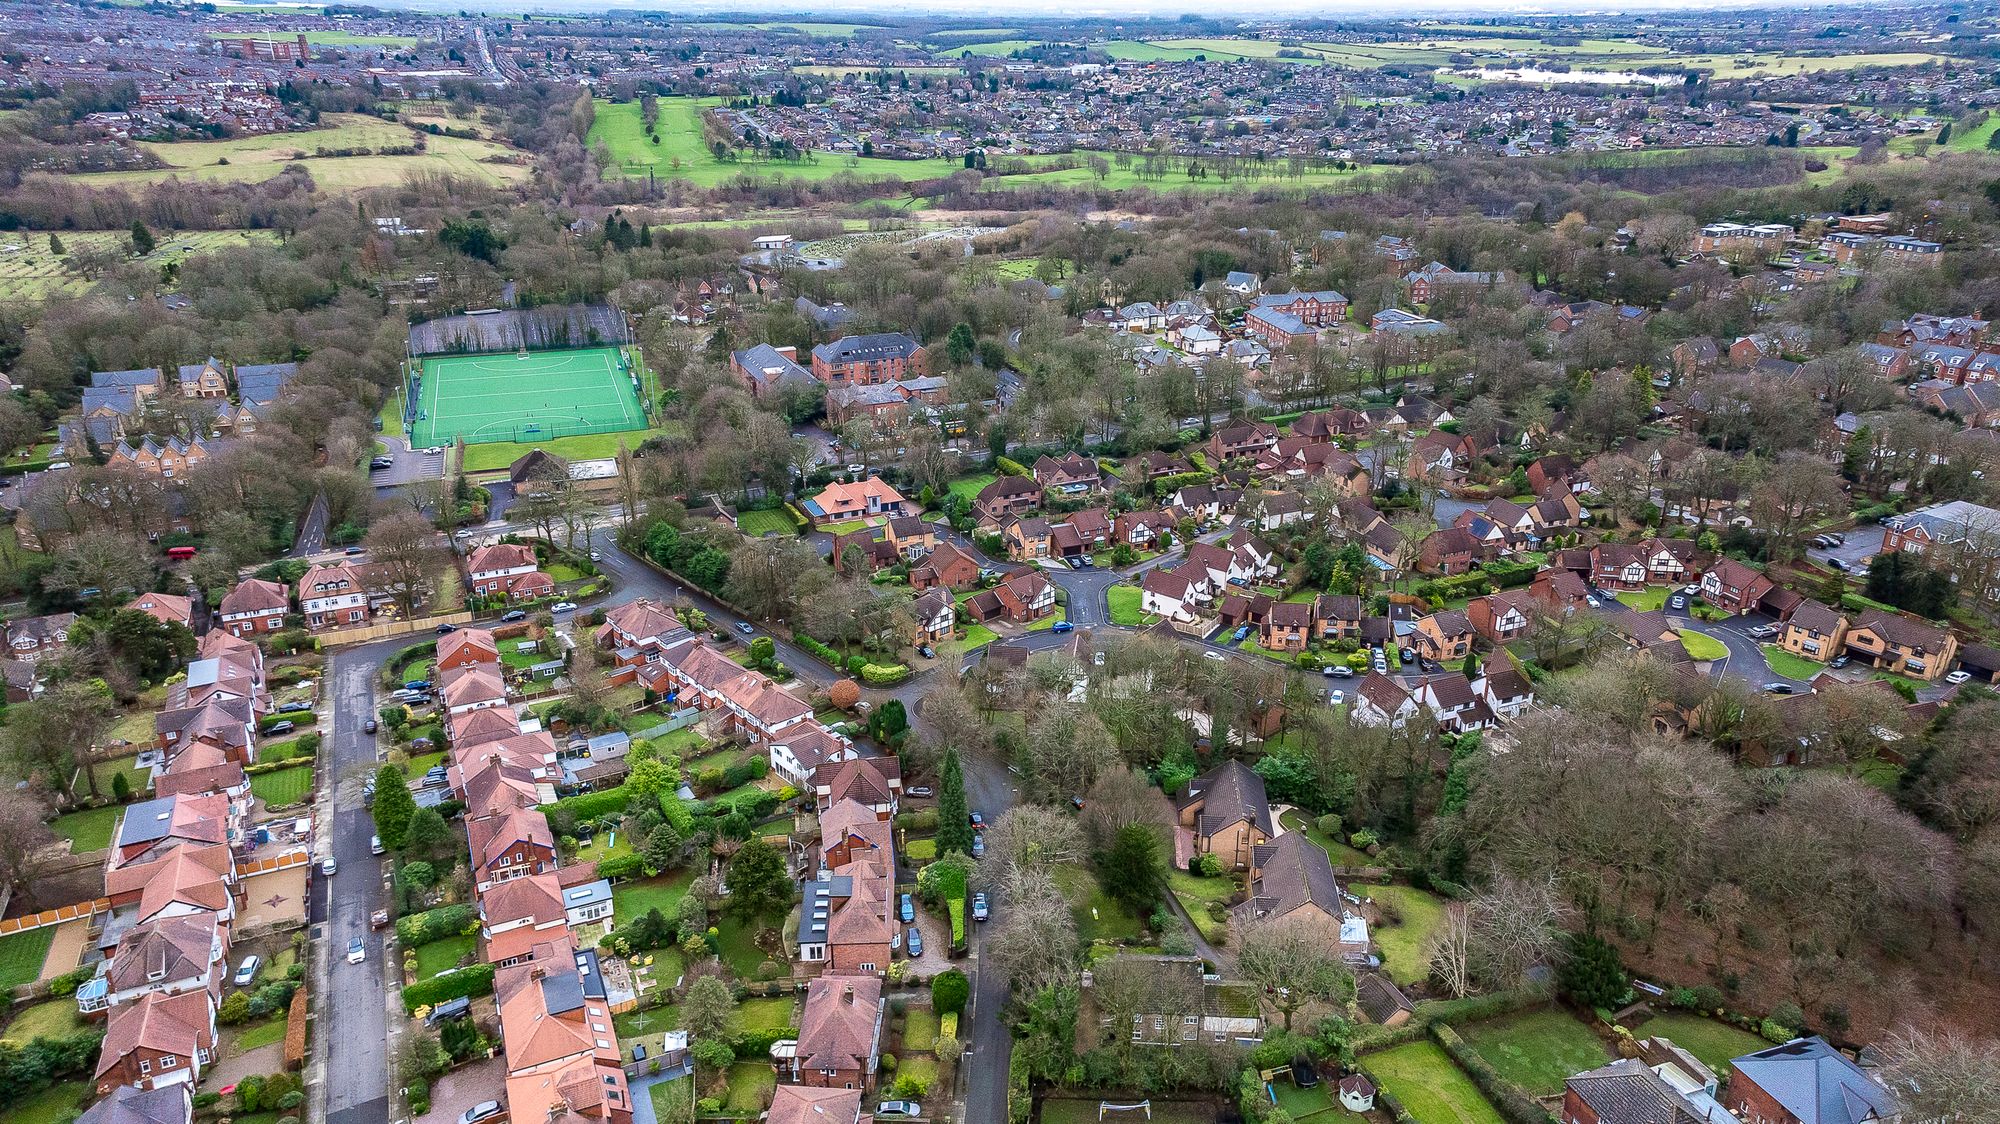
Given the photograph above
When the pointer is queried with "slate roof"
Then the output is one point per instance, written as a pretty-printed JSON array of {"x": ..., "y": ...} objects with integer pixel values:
[
  {"x": 1231, "y": 793},
  {"x": 1628, "y": 1092},
  {"x": 1293, "y": 872},
  {"x": 1815, "y": 1083}
]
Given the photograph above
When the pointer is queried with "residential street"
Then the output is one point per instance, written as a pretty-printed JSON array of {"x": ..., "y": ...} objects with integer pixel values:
[{"x": 351, "y": 1051}]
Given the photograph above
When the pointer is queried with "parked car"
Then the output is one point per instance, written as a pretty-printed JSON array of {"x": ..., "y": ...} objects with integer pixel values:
[
  {"x": 1677, "y": 601},
  {"x": 417, "y": 685},
  {"x": 434, "y": 451},
  {"x": 484, "y": 1110},
  {"x": 276, "y": 728},
  {"x": 356, "y": 951},
  {"x": 1778, "y": 688},
  {"x": 1062, "y": 626},
  {"x": 1336, "y": 698},
  {"x": 1841, "y": 662},
  {"x": 1837, "y": 538},
  {"x": 1338, "y": 671},
  {"x": 899, "y": 1108},
  {"x": 563, "y": 607},
  {"x": 922, "y": 790},
  {"x": 979, "y": 846},
  {"x": 295, "y": 708},
  {"x": 906, "y": 909},
  {"x": 1957, "y": 677},
  {"x": 512, "y": 615},
  {"x": 371, "y": 727},
  {"x": 446, "y": 629},
  {"x": 1761, "y": 632},
  {"x": 247, "y": 971},
  {"x": 329, "y": 867},
  {"x": 1408, "y": 655},
  {"x": 914, "y": 944},
  {"x": 1837, "y": 564},
  {"x": 977, "y": 821},
  {"x": 380, "y": 463},
  {"x": 374, "y": 844},
  {"x": 1218, "y": 657},
  {"x": 979, "y": 911},
  {"x": 1242, "y": 633},
  {"x": 744, "y": 628}
]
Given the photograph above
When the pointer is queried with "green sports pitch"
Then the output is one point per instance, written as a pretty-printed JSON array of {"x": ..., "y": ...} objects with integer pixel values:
[{"x": 525, "y": 397}]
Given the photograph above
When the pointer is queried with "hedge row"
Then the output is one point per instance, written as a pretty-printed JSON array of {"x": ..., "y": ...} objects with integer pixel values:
[
  {"x": 434, "y": 924},
  {"x": 591, "y": 805},
  {"x": 1168, "y": 485},
  {"x": 619, "y": 867},
  {"x": 1508, "y": 574},
  {"x": 1514, "y": 1103},
  {"x": 825, "y": 654},
  {"x": 1008, "y": 466},
  {"x": 461, "y": 983},
  {"x": 884, "y": 674},
  {"x": 1430, "y": 1012}
]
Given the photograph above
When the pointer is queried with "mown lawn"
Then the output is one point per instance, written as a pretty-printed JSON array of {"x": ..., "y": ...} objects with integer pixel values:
[
  {"x": 1124, "y": 601},
  {"x": 22, "y": 954},
  {"x": 266, "y": 1033},
  {"x": 88, "y": 830},
  {"x": 739, "y": 946},
  {"x": 52, "y": 1019},
  {"x": 1338, "y": 852},
  {"x": 630, "y": 901},
  {"x": 284, "y": 786},
  {"x": 1403, "y": 943},
  {"x": 1195, "y": 892},
  {"x": 920, "y": 1029},
  {"x": 971, "y": 486},
  {"x": 1703, "y": 647},
  {"x": 757, "y": 524},
  {"x": 1713, "y": 1042},
  {"x": 52, "y": 1105},
  {"x": 442, "y": 954},
  {"x": 1431, "y": 1086},
  {"x": 1644, "y": 600},
  {"x": 750, "y": 1087},
  {"x": 1537, "y": 1050},
  {"x": 1789, "y": 665}
]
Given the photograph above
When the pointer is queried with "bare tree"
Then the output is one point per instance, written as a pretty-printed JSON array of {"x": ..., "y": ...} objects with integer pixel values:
[
  {"x": 1797, "y": 492},
  {"x": 1034, "y": 946},
  {"x": 410, "y": 554},
  {"x": 1448, "y": 950},
  {"x": 23, "y": 835},
  {"x": 1517, "y": 926},
  {"x": 1295, "y": 963},
  {"x": 1944, "y": 1075},
  {"x": 1031, "y": 837}
]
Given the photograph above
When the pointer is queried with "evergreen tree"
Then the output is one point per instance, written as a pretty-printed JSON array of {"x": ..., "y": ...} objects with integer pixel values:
[
  {"x": 758, "y": 883},
  {"x": 1594, "y": 976},
  {"x": 954, "y": 818},
  {"x": 56, "y": 246},
  {"x": 142, "y": 239},
  {"x": 1134, "y": 869},
  {"x": 394, "y": 808},
  {"x": 430, "y": 839}
]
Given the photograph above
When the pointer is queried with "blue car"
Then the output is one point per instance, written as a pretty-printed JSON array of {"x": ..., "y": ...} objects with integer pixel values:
[
  {"x": 1063, "y": 626},
  {"x": 417, "y": 685},
  {"x": 908, "y": 911},
  {"x": 1242, "y": 633},
  {"x": 916, "y": 942}
]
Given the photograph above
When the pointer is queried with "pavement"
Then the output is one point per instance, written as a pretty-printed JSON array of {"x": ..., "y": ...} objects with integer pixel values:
[
  {"x": 411, "y": 465},
  {"x": 1862, "y": 544}
]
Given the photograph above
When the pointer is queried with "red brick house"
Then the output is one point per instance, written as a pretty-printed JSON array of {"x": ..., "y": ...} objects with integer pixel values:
[
  {"x": 1287, "y": 627},
  {"x": 1734, "y": 588},
  {"x": 947, "y": 566},
  {"x": 1797, "y": 1082},
  {"x": 1008, "y": 495},
  {"x": 869, "y": 360},
  {"x": 1022, "y": 597},
  {"x": 1234, "y": 441},
  {"x": 158, "y": 1041},
  {"x": 840, "y": 1034},
  {"x": 254, "y": 607},
  {"x": 1450, "y": 550}
]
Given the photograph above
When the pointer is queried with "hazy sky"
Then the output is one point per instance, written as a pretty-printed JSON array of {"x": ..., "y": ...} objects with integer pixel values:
[{"x": 859, "y": 13}]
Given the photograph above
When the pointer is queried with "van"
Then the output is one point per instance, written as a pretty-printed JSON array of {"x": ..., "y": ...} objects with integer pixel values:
[
  {"x": 180, "y": 553},
  {"x": 374, "y": 844}
]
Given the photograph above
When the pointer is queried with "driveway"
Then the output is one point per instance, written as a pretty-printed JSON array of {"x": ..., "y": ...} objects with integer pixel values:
[
  {"x": 468, "y": 1085},
  {"x": 411, "y": 465},
  {"x": 1862, "y": 543}
]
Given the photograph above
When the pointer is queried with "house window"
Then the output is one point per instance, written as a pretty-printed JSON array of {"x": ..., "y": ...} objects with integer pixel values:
[
  {"x": 145, "y": 1066},
  {"x": 868, "y": 967},
  {"x": 168, "y": 1061}
]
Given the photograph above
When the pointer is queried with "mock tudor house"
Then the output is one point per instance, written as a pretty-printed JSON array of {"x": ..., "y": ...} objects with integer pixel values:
[
  {"x": 1069, "y": 475},
  {"x": 1734, "y": 588}
]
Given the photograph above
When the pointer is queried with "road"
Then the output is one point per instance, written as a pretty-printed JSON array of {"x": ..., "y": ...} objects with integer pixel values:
[{"x": 351, "y": 1050}]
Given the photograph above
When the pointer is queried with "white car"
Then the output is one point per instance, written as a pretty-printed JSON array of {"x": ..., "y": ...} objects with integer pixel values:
[
  {"x": 1957, "y": 677},
  {"x": 247, "y": 971},
  {"x": 563, "y": 607},
  {"x": 356, "y": 951},
  {"x": 1218, "y": 657},
  {"x": 329, "y": 867},
  {"x": 434, "y": 451},
  {"x": 1336, "y": 698}
]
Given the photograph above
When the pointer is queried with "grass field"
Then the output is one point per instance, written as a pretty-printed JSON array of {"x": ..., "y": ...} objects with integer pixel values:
[
  {"x": 1430, "y": 1085},
  {"x": 1537, "y": 1050},
  {"x": 88, "y": 830},
  {"x": 750, "y": 1087},
  {"x": 971, "y": 486},
  {"x": 820, "y": 30},
  {"x": 1097, "y": 916},
  {"x": 1714, "y": 1043},
  {"x": 254, "y": 159},
  {"x": 1644, "y": 600},
  {"x": 323, "y": 38},
  {"x": 493, "y": 455},
  {"x": 28, "y": 271},
  {"x": 631, "y": 900},
  {"x": 283, "y": 786},
  {"x": 1703, "y": 647},
  {"x": 509, "y": 399},
  {"x": 22, "y": 954},
  {"x": 683, "y": 154},
  {"x": 1789, "y": 665},
  {"x": 1124, "y": 602}
]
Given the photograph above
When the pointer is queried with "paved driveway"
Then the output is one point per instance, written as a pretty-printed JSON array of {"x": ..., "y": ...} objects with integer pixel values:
[
  {"x": 1862, "y": 543},
  {"x": 452, "y": 1094},
  {"x": 411, "y": 465}
]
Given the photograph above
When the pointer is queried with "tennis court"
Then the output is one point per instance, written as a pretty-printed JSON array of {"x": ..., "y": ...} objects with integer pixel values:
[{"x": 532, "y": 396}]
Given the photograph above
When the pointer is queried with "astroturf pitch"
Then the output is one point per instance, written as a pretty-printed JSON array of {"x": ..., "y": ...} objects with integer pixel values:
[{"x": 532, "y": 397}]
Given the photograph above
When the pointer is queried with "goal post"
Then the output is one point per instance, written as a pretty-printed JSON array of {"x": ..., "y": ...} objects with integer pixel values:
[{"x": 1107, "y": 1108}]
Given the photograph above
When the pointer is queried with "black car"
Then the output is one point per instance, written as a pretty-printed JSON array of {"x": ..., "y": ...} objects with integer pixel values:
[
  {"x": 371, "y": 727},
  {"x": 1304, "y": 1075},
  {"x": 1780, "y": 689},
  {"x": 446, "y": 628}
]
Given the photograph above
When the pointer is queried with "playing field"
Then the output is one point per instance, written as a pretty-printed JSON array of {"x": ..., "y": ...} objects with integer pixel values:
[{"x": 528, "y": 398}]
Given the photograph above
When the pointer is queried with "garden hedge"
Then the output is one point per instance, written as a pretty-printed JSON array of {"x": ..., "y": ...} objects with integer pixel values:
[
  {"x": 1008, "y": 466},
  {"x": 414, "y": 929},
  {"x": 1510, "y": 1099},
  {"x": 592, "y": 805},
  {"x": 462, "y": 983},
  {"x": 882, "y": 675}
]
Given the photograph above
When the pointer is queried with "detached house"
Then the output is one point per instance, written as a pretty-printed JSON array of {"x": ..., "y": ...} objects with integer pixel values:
[
  {"x": 1006, "y": 496},
  {"x": 1813, "y": 631},
  {"x": 840, "y": 502},
  {"x": 1806, "y": 1081},
  {"x": 35, "y": 638},
  {"x": 1021, "y": 597},
  {"x": 1070, "y": 475},
  {"x": 255, "y": 607},
  {"x": 1442, "y": 636},
  {"x": 840, "y": 1034},
  {"x": 332, "y": 595},
  {"x": 1893, "y": 642},
  {"x": 157, "y": 1041},
  {"x": 1226, "y": 813},
  {"x": 1292, "y": 882},
  {"x": 1233, "y": 441},
  {"x": 1734, "y": 588},
  {"x": 508, "y": 568},
  {"x": 947, "y": 566}
]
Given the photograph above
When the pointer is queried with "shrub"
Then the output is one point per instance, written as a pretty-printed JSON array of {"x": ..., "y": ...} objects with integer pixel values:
[
  {"x": 459, "y": 984},
  {"x": 926, "y": 820},
  {"x": 1008, "y": 466},
  {"x": 1771, "y": 1030},
  {"x": 620, "y": 867},
  {"x": 949, "y": 992},
  {"x": 420, "y": 1099},
  {"x": 235, "y": 1009},
  {"x": 435, "y": 924},
  {"x": 881, "y": 675},
  {"x": 1329, "y": 826}
]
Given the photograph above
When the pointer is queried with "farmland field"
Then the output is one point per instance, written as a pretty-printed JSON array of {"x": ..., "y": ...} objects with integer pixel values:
[
  {"x": 682, "y": 153},
  {"x": 322, "y": 38},
  {"x": 254, "y": 159},
  {"x": 28, "y": 271},
  {"x": 821, "y": 30}
]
